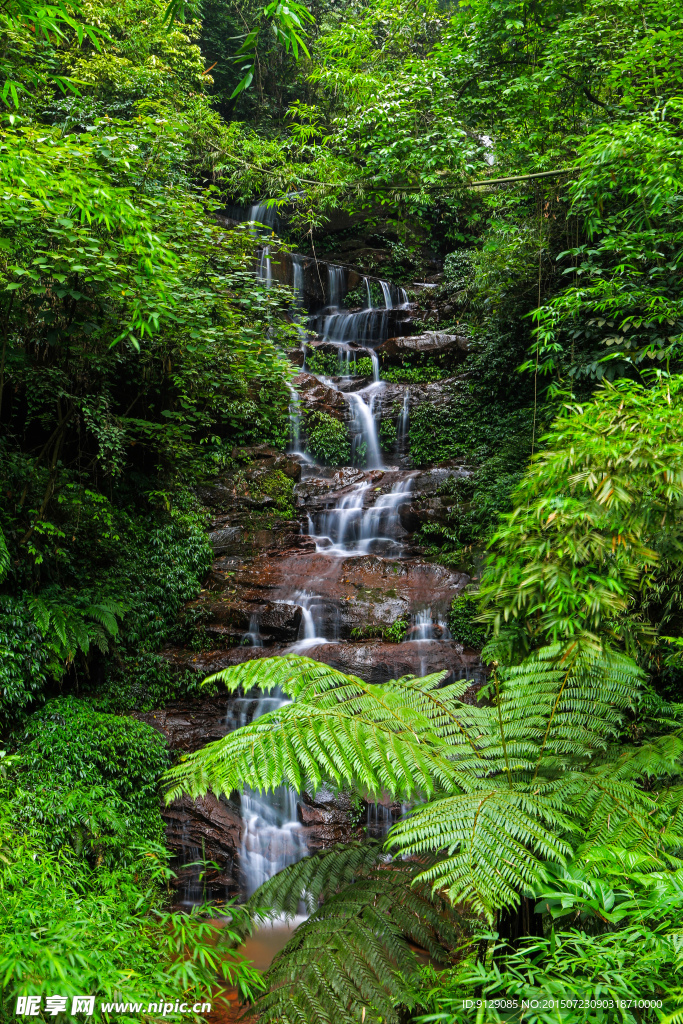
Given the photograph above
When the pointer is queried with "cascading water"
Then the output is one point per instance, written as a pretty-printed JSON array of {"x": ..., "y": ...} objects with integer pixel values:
[
  {"x": 354, "y": 569},
  {"x": 265, "y": 269},
  {"x": 350, "y": 529},
  {"x": 298, "y": 279},
  {"x": 253, "y": 637},
  {"x": 386, "y": 291},
  {"x": 294, "y": 447},
  {"x": 404, "y": 422},
  {"x": 263, "y": 214},
  {"x": 368, "y": 292},
  {"x": 427, "y": 626},
  {"x": 364, "y": 427},
  {"x": 272, "y": 836},
  {"x": 335, "y": 284},
  {"x": 310, "y": 634}
]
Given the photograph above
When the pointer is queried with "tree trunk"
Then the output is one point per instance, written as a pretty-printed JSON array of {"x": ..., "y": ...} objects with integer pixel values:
[{"x": 519, "y": 922}]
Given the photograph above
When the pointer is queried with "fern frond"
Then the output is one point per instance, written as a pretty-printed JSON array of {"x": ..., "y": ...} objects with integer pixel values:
[
  {"x": 508, "y": 785},
  {"x": 491, "y": 842},
  {"x": 353, "y": 952},
  {"x": 316, "y": 877},
  {"x": 106, "y": 613},
  {"x": 385, "y": 738}
]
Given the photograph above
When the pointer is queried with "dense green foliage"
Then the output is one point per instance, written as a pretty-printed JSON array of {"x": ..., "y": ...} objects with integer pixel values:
[
  {"x": 135, "y": 352},
  {"x": 70, "y": 751},
  {"x": 138, "y": 354},
  {"x": 327, "y": 439},
  {"x": 82, "y": 907}
]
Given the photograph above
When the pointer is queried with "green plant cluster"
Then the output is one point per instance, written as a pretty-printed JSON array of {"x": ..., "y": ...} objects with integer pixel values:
[
  {"x": 83, "y": 872},
  {"x": 463, "y": 624},
  {"x": 272, "y": 484},
  {"x": 331, "y": 365},
  {"x": 327, "y": 438},
  {"x": 414, "y": 374},
  {"x": 393, "y": 634},
  {"x": 89, "y": 780}
]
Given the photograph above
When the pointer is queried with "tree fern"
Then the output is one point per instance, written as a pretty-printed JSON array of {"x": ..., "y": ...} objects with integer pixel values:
[
  {"x": 385, "y": 738},
  {"x": 522, "y": 779},
  {"x": 351, "y": 959}
]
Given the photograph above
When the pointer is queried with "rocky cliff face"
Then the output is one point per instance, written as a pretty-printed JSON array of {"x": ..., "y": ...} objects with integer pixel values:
[{"x": 324, "y": 561}]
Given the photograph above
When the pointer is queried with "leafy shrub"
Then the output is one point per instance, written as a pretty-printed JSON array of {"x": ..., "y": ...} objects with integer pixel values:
[
  {"x": 462, "y": 624},
  {"x": 387, "y": 434},
  {"x": 23, "y": 657},
  {"x": 458, "y": 268},
  {"x": 329, "y": 364},
  {"x": 72, "y": 928},
  {"x": 414, "y": 374},
  {"x": 433, "y": 433},
  {"x": 68, "y": 746},
  {"x": 328, "y": 439},
  {"x": 274, "y": 484},
  {"x": 325, "y": 363},
  {"x": 393, "y": 634}
]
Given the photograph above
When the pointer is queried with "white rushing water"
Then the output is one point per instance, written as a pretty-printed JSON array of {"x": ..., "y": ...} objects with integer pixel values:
[
  {"x": 273, "y": 836},
  {"x": 426, "y": 625},
  {"x": 349, "y": 528},
  {"x": 265, "y": 267},
  {"x": 311, "y": 632},
  {"x": 364, "y": 427}
]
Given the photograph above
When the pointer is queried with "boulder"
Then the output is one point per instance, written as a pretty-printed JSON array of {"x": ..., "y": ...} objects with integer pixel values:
[
  {"x": 208, "y": 823},
  {"x": 316, "y": 396},
  {"x": 429, "y": 342}
]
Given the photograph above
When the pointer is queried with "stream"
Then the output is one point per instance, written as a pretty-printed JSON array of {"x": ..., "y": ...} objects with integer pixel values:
[{"x": 327, "y": 586}]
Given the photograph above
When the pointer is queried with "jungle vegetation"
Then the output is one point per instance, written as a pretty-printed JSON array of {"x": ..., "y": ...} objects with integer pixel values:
[{"x": 137, "y": 351}]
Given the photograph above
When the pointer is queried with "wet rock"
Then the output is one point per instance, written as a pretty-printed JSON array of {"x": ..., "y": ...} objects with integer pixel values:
[
  {"x": 440, "y": 393},
  {"x": 316, "y": 396},
  {"x": 260, "y": 458},
  {"x": 376, "y": 661},
  {"x": 429, "y": 342},
  {"x": 190, "y": 724},
  {"x": 226, "y": 540},
  {"x": 205, "y": 823},
  {"x": 373, "y": 661},
  {"x": 233, "y": 614},
  {"x": 326, "y": 808}
]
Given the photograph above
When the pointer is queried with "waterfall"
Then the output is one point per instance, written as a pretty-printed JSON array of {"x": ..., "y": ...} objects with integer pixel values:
[
  {"x": 310, "y": 627},
  {"x": 425, "y": 625},
  {"x": 253, "y": 637},
  {"x": 294, "y": 446},
  {"x": 365, "y": 426},
  {"x": 337, "y": 525},
  {"x": 386, "y": 292},
  {"x": 298, "y": 279},
  {"x": 374, "y": 359},
  {"x": 336, "y": 277},
  {"x": 370, "y": 325},
  {"x": 272, "y": 836},
  {"x": 369, "y": 293},
  {"x": 348, "y": 528},
  {"x": 265, "y": 270},
  {"x": 263, "y": 213},
  {"x": 404, "y": 422}
]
